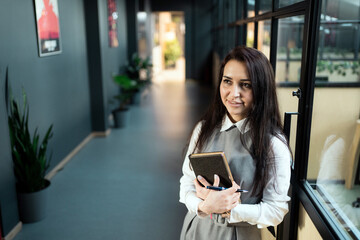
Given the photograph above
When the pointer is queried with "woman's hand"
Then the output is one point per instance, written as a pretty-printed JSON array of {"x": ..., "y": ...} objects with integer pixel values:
[
  {"x": 202, "y": 192},
  {"x": 220, "y": 201}
]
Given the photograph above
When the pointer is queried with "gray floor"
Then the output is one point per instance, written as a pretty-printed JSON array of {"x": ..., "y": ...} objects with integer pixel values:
[{"x": 125, "y": 186}]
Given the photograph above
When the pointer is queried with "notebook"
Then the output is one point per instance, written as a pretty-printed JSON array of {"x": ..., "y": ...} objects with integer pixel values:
[{"x": 208, "y": 164}]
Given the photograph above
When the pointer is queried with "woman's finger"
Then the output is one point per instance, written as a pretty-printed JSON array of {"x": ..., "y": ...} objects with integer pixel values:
[
  {"x": 197, "y": 184},
  {"x": 231, "y": 190},
  {"x": 216, "y": 180},
  {"x": 235, "y": 185},
  {"x": 235, "y": 198},
  {"x": 203, "y": 181}
]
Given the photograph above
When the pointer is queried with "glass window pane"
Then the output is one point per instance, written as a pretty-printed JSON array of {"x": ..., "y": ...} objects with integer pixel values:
[
  {"x": 264, "y": 37},
  {"x": 250, "y": 34},
  {"x": 250, "y": 8},
  {"x": 265, "y": 6},
  {"x": 333, "y": 167},
  {"x": 289, "y": 47},
  {"x": 284, "y": 3},
  {"x": 332, "y": 162},
  {"x": 339, "y": 42}
]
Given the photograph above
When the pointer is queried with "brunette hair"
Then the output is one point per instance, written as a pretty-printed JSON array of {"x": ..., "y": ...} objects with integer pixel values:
[{"x": 263, "y": 118}]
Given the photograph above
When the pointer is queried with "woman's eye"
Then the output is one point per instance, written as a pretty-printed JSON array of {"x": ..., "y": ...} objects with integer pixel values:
[
  {"x": 245, "y": 85},
  {"x": 226, "y": 81}
]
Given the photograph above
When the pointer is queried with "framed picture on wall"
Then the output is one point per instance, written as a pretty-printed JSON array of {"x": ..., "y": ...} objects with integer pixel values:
[
  {"x": 112, "y": 23},
  {"x": 48, "y": 29}
]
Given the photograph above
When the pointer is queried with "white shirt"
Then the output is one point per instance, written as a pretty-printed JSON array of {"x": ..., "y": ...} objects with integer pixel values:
[{"x": 274, "y": 203}]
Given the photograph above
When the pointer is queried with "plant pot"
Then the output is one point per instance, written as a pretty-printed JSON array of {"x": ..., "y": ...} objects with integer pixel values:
[
  {"x": 120, "y": 117},
  {"x": 136, "y": 98},
  {"x": 33, "y": 206}
]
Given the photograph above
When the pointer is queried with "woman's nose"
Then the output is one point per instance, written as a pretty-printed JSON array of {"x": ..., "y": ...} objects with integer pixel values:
[{"x": 235, "y": 91}]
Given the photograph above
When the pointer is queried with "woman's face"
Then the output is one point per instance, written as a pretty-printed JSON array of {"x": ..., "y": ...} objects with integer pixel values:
[{"x": 236, "y": 91}]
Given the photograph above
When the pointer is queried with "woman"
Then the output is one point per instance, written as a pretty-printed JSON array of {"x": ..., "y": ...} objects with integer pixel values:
[{"x": 244, "y": 122}]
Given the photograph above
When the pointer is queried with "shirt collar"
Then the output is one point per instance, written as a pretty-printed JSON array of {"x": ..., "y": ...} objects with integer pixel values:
[{"x": 227, "y": 124}]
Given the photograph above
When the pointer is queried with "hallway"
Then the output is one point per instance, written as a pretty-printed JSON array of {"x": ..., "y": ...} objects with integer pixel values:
[{"x": 125, "y": 186}]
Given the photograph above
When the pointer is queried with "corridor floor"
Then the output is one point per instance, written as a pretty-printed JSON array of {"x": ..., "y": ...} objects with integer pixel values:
[{"x": 126, "y": 185}]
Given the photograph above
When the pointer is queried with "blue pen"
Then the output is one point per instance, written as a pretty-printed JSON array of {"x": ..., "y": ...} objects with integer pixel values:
[{"x": 222, "y": 188}]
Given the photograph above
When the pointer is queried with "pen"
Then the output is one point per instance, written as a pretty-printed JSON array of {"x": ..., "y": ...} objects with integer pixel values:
[{"x": 222, "y": 188}]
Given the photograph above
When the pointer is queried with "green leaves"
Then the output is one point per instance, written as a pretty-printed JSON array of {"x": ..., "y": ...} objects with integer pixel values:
[
  {"x": 28, "y": 153},
  {"x": 125, "y": 82},
  {"x": 338, "y": 67},
  {"x": 172, "y": 52}
]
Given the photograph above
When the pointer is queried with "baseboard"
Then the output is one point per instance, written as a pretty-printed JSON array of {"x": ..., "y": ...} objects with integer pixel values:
[
  {"x": 61, "y": 164},
  {"x": 14, "y": 231},
  {"x": 101, "y": 134}
]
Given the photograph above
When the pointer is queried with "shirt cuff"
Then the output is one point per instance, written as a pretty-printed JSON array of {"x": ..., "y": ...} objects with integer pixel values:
[
  {"x": 193, "y": 204},
  {"x": 245, "y": 213}
]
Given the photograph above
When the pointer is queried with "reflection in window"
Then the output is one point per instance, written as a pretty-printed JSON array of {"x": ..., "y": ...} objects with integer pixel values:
[
  {"x": 289, "y": 47},
  {"x": 265, "y": 6},
  {"x": 250, "y": 8},
  {"x": 250, "y": 34},
  {"x": 264, "y": 37},
  {"x": 284, "y": 3},
  {"x": 333, "y": 168},
  {"x": 339, "y": 42}
]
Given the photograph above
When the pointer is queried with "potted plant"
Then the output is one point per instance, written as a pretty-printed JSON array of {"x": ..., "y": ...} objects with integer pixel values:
[
  {"x": 126, "y": 88},
  {"x": 138, "y": 70},
  {"x": 30, "y": 162}
]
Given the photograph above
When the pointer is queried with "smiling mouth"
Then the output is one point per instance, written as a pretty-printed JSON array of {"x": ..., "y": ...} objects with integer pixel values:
[{"x": 235, "y": 103}]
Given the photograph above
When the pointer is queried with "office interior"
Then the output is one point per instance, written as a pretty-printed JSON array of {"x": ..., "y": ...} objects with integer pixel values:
[{"x": 312, "y": 45}]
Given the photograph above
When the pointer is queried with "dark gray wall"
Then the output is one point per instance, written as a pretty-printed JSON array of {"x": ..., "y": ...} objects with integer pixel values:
[
  {"x": 58, "y": 86},
  {"x": 198, "y": 35},
  {"x": 7, "y": 182},
  {"x": 132, "y": 7},
  {"x": 8, "y": 204},
  {"x": 103, "y": 61},
  {"x": 202, "y": 41},
  {"x": 112, "y": 58}
]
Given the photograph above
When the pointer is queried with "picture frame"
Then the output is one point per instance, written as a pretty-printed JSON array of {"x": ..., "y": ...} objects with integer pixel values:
[
  {"x": 112, "y": 23},
  {"x": 48, "y": 27}
]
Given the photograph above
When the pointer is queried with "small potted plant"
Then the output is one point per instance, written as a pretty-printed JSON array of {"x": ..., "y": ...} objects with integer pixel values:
[
  {"x": 30, "y": 162},
  {"x": 138, "y": 70},
  {"x": 127, "y": 88}
]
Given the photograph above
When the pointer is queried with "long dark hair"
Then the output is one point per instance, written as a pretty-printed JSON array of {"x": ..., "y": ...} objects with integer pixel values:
[{"x": 263, "y": 119}]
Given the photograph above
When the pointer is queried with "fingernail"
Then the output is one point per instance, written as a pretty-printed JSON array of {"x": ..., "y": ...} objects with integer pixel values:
[
  {"x": 215, "y": 176},
  {"x": 200, "y": 177}
]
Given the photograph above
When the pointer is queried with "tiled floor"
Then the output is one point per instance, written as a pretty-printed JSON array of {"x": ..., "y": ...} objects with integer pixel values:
[{"x": 125, "y": 186}]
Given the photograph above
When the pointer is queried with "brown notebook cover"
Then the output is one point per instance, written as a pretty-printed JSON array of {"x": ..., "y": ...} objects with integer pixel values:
[{"x": 208, "y": 164}]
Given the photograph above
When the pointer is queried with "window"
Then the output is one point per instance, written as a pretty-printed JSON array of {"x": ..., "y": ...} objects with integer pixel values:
[
  {"x": 289, "y": 49},
  {"x": 264, "y": 37},
  {"x": 339, "y": 42},
  {"x": 264, "y": 6},
  {"x": 250, "y": 34},
  {"x": 333, "y": 171},
  {"x": 250, "y": 8},
  {"x": 284, "y": 3}
]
